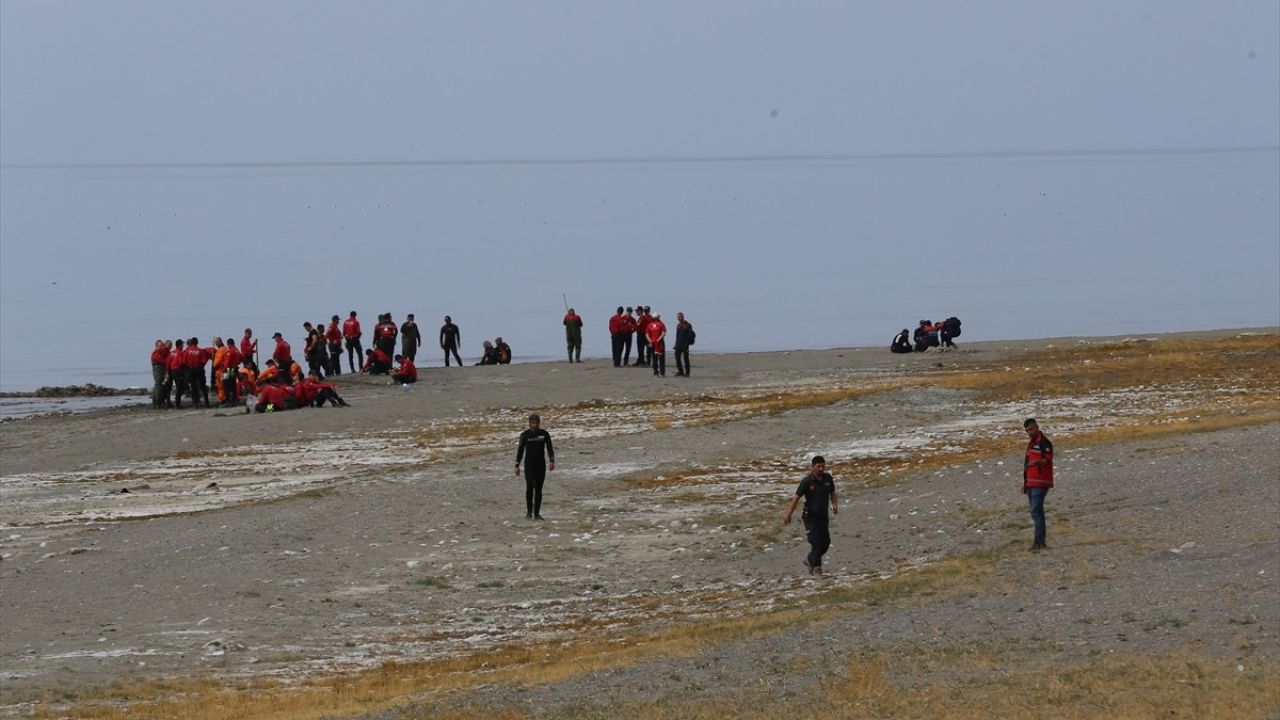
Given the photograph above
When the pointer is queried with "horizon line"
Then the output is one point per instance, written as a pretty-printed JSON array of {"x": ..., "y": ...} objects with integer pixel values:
[{"x": 669, "y": 160}]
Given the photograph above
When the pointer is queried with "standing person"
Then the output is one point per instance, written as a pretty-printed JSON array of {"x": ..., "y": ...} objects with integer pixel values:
[
  {"x": 573, "y": 335},
  {"x": 282, "y": 354},
  {"x": 656, "y": 332},
  {"x": 159, "y": 369},
  {"x": 818, "y": 490},
  {"x": 220, "y": 351},
  {"x": 249, "y": 350},
  {"x": 384, "y": 335},
  {"x": 176, "y": 363},
  {"x": 533, "y": 442},
  {"x": 615, "y": 336},
  {"x": 313, "y": 350},
  {"x": 643, "y": 318},
  {"x": 195, "y": 358},
  {"x": 1037, "y": 478},
  {"x": 351, "y": 334},
  {"x": 628, "y": 329},
  {"x": 503, "y": 351},
  {"x": 333, "y": 339},
  {"x": 410, "y": 338},
  {"x": 450, "y": 339},
  {"x": 684, "y": 338}
]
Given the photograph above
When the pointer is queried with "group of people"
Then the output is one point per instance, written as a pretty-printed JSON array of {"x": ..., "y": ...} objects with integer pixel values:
[
  {"x": 650, "y": 334},
  {"x": 926, "y": 336},
  {"x": 179, "y": 369}
]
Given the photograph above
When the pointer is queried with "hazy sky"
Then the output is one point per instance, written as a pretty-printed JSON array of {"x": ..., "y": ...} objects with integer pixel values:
[{"x": 314, "y": 80}]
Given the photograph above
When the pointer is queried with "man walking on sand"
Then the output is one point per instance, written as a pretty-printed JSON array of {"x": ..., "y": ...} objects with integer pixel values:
[
  {"x": 818, "y": 489},
  {"x": 534, "y": 441},
  {"x": 1037, "y": 478}
]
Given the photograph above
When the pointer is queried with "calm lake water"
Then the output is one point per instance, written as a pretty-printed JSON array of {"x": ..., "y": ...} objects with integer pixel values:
[{"x": 98, "y": 262}]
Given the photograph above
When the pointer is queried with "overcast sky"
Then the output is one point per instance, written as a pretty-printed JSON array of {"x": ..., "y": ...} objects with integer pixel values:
[{"x": 317, "y": 81}]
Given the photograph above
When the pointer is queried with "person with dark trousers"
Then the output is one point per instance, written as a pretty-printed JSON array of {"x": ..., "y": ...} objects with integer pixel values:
[
  {"x": 684, "y": 338},
  {"x": 333, "y": 341},
  {"x": 643, "y": 354},
  {"x": 628, "y": 329},
  {"x": 1037, "y": 478},
  {"x": 176, "y": 364},
  {"x": 450, "y": 339},
  {"x": 534, "y": 442},
  {"x": 159, "y": 369},
  {"x": 376, "y": 362},
  {"x": 656, "y": 332},
  {"x": 313, "y": 349},
  {"x": 615, "y": 337},
  {"x": 410, "y": 338},
  {"x": 196, "y": 357},
  {"x": 351, "y": 335},
  {"x": 503, "y": 351},
  {"x": 573, "y": 335},
  {"x": 818, "y": 490},
  {"x": 384, "y": 335},
  {"x": 901, "y": 342},
  {"x": 249, "y": 350}
]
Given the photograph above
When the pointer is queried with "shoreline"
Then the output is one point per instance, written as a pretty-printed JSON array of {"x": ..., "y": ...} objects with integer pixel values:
[{"x": 328, "y": 542}]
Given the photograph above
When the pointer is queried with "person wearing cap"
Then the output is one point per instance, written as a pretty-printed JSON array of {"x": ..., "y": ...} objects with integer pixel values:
[
  {"x": 376, "y": 362},
  {"x": 818, "y": 490},
  {"x": 283, "y": 354},
  {"x": 536, "y": 450},
  {"x": 450, "y": 340},
  {"x": 901, "y": 342},
  {"x": 405, "y": 372},
  {"x": 656, "y": 332}
]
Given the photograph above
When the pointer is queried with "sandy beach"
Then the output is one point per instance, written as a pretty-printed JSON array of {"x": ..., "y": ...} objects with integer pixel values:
[{"x": 139, "y": 546}]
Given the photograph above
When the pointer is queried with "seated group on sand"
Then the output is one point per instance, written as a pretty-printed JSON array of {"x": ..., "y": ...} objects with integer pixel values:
[{"x": 927, "y": 336}]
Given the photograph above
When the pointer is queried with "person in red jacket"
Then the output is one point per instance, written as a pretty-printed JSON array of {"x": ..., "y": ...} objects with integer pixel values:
[
  {"x": 283, "y": 354},
  {"x": 615, "y": 336},
  {"x": 406, "y": 372},
  {"x": 176, "y": 364},
  {"x": 1037, "y": 478},
  {"x": 196, "y": 358},
  {"x": 376, "y": 362},
  {"x": 628, "y": 329},
  {"x": 333, "y": 338},
  {"x": 656, "y": 331},
  {"x": 643, "y": 318},
  {"x": 249, "y": 350},
  {"x": 316, "y": 393},
  {"x": 275, "y": 398},
  {"x": 351, "y": 335},
  {"x": 159, "y": 369}
]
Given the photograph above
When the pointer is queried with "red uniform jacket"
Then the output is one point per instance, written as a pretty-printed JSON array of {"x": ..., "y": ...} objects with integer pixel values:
[
  {"x": 160, "y": 356},
  {"x": 351, "y": 328},
  {"x": 234, "y": 357},
  {"x": 333, "y": 334},
  {"x": 283, "y": 354},
  {"x": 1038, "y": 475},
  {"x": 406, "y": 370},
  {"x": 628, "y": 324},
  {"x": 655, "y": 331},
  {"x": 615, "y": 324},
  {"x": 246, "y": 347},
  {"x": 176, "y": 360},
  {"x": 196, "y": 357}
]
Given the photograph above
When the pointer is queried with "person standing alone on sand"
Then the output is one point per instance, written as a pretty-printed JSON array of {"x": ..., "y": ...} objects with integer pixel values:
[
  {"x": 533, "y": 443},
  {"x": 684, "y": 338},
  {"x": 450, "y": 339},
  {"x": 573, "y": 335},
  {"x": 818, "y": 489},
  {"x": 410, "y": 338},
  {"x": 1037, "y": 478},
  {"x": 351, "y": 336}
]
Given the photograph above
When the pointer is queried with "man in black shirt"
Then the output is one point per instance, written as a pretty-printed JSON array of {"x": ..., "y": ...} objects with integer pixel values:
[
  {"x": 450, "y": 338},
  {"x": 410, "y": 338},
  {"x": 536, "y": 441},
  {"x": 818, "y": 489}
]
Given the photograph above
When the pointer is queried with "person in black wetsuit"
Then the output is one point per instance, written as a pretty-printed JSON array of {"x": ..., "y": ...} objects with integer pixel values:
[
  {"x": 533, "y": 443},
  {"x": 450, "y": 339},
  {"x": 901, "y": 342}
]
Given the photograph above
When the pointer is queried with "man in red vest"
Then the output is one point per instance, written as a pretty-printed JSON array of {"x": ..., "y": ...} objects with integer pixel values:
[{"x": 1037, "y": 478}]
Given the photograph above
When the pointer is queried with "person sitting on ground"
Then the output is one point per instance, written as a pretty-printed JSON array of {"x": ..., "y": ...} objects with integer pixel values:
[
  {"x": 901, "y": 342},
  {"x": 490, "y": 355},
  {"x": 926, "y": 336},
  {"x": 376, "y": 362},
  {"x": 276, "y": 397},
  {"x": 271, "y": 375},
  {"x": 318, "y": 393},
  {"x": 503, "y": 350},
  {"x": 405, "y": 373}
]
